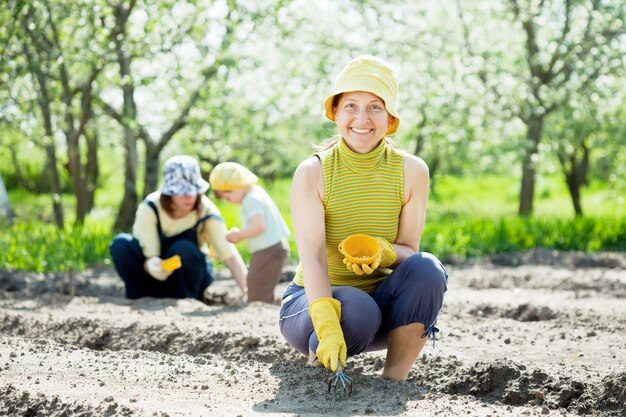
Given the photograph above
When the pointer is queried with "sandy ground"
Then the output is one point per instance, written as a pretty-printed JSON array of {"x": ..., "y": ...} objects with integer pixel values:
[{"x": 538, "y": 333}]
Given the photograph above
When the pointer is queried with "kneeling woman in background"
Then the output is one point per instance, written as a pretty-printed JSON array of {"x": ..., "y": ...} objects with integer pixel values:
[{"x": 178, "y": 220}]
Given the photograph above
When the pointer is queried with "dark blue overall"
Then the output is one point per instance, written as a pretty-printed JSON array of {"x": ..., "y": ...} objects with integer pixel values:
[
  {"x": 413, "y": 293},
  {"x": 189, "y": 281}
]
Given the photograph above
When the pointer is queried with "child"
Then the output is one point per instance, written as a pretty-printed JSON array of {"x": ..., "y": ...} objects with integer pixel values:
[{"x": 263, "y": 226}]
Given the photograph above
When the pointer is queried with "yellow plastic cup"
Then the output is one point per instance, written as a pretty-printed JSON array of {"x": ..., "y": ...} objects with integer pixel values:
[
  {"x": 171, "y": 264},
  {"x": 360, "y": 249}
]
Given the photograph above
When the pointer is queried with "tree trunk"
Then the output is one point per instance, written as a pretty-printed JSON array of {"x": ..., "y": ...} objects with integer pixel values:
[
  {"x": 575, "y": 171},
  {"x": 151, "y": 173},
  {"x": 44, "y": 102},
  {"x": 78, "y": 184},
  {"x": 55, "y": 185},
  {"x": 419, "y": 144},
  {"x": 534, "y": 130},
  {"x": 48, "y": 65},
  {"x": 73, "y": 133},
  {"x": 433, "y": 169},
  {"x": 126, "y": 213},
  {"x": 19, "y": 178},
  {"x": 55, "y": 181},
  {"x": 92, "y": 169},
  {"x": 574, "y": 191}
]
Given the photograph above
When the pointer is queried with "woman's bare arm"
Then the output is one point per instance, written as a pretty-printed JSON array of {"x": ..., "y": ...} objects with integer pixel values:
[{"x": 307, "y": 214}]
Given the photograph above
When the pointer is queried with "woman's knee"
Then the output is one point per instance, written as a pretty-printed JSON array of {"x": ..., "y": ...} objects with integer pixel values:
[
  {"x": 360, "y": 317},
  {"x": 121, "y": 246},
  {"x": 427, "y": 272},
  {"x": 186, "y": 249}
]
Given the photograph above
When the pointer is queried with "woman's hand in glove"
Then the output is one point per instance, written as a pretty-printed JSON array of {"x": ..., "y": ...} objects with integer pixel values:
[
  {"x": 325, "y": 314},
  {"x": 386, "y": 257},
  {"x": 153, "y": 267}
]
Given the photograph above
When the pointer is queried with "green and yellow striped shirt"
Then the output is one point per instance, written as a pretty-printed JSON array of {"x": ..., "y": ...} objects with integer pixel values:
[{"x": 363, "y": 193}]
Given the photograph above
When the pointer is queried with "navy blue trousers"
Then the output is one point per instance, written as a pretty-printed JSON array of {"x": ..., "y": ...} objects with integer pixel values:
[
  {"x": 189, "y": 281},
  {"x": 413, "y": 293}
]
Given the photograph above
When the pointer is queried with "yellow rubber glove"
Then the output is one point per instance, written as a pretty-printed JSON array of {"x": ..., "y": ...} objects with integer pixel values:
[
  {"x": 384, "y": 258},
  {"x": 325, "y": 314}
]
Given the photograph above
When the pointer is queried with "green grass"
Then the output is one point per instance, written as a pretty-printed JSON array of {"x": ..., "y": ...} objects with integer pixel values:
[
  {"x": 34, "y": 246},
  {"x": 467, "y": 237},
  {"x": 498, "y": 196},
  {"x": 467, "y": 217}
]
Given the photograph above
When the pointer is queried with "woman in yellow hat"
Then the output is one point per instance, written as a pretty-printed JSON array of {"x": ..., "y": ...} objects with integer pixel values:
[{"x": 358, "y": 207}]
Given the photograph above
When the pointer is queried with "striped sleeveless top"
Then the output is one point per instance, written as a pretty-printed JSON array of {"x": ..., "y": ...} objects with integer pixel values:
[{"x": 363, "y": 193}]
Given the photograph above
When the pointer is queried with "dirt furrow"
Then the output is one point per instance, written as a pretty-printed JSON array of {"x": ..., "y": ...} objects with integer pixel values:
[{"x": 539, "y": 333}]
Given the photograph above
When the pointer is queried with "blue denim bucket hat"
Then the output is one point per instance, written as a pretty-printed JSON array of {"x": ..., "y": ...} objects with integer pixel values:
[{"x": 181, "y": 176}]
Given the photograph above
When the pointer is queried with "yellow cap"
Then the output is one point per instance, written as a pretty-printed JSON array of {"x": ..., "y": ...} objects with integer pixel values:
[
  {"x": 373, "y": 75},
  {"x": 229, "y": 176}
]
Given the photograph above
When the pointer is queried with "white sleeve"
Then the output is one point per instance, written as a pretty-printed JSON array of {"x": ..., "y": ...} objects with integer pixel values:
[{"x": 145, "y": 230}]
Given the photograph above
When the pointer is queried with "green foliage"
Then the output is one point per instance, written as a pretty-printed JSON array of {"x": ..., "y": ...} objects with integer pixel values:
[
  {"x": 496, "y": 196},
  {"x": 467, "y": 237},
  {"x": 24, "y": 161},
  {"x": 467, "y": 217},
  {"x": 34, "y": 246}
]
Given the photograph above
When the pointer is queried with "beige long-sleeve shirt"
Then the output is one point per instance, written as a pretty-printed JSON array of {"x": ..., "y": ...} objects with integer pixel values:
[{"x": 213, "y": 233}]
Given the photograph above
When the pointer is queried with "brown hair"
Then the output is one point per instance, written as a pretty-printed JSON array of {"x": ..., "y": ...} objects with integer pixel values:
[{"x": 168, "y": 203}]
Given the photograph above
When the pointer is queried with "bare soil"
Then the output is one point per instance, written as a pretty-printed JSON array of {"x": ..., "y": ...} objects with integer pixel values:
[{"x": 535, "y": 333}]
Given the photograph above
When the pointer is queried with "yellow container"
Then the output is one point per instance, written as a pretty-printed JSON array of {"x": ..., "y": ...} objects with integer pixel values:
[
  {"x": 171, "y": 264},
  {"x": 360, "y": 249}
]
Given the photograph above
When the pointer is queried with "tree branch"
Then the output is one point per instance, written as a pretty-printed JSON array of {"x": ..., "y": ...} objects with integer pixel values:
[{"x": 182, "y": 120}]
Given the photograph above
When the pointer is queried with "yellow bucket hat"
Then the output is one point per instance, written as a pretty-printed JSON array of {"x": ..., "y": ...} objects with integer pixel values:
[
  {"x": 229, "y": 176},
  {"x": 373, "y": 75}
]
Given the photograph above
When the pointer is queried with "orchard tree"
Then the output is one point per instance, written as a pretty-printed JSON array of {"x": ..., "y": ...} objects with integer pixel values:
[
  {"x": 563, "y": 46},
  {"x": 48, "y": 41},
  {"x": 168, "y": 54},
  {"x": 587, "y": 135},
  {"x": 572, "y": 131}
]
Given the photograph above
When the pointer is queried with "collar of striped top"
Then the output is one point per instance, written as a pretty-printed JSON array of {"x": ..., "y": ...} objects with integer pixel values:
[{"x": 362, "y": 162}]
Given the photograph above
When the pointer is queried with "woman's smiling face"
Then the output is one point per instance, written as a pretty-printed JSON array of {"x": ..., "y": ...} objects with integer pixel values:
[{"x": 362, "y": 120}]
